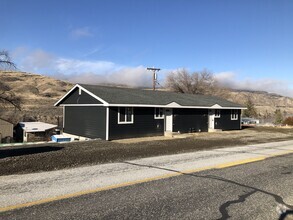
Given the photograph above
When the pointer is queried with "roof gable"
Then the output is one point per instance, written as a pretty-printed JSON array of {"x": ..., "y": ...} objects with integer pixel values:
[{"x": 79, "y": 95}]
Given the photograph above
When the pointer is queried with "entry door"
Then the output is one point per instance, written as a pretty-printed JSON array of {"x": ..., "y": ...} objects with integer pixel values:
[
  {"x": 211, "y": 119},
  {"x": 169, "y": 119}
]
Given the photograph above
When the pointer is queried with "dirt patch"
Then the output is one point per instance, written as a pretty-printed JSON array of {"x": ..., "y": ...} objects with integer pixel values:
[{"x": 97, "y": 152}]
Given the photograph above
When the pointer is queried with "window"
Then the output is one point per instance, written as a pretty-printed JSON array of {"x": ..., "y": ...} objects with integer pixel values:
[
  {"x": 159, "y": 113},
  {"x": 234, "y": 114},
  {"x": 217, "y": 113},
  {"x": 125, "y": 115}
]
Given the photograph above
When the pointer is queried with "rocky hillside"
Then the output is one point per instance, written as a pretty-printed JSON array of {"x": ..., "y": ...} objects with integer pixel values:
[{"x": 39, "y": 93}]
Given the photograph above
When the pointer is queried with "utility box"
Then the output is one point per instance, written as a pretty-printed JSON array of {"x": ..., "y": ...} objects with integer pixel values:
[{"x": 60, "y": 138}]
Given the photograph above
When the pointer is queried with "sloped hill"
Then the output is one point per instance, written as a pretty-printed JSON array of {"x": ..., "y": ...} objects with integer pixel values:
[
  {"x": 38, "y": 94},
  {"x": 265, "y": 103}
]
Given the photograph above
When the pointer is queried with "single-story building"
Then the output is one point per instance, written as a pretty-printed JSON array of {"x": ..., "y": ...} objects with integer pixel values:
[
  {"x": 33, "y": 131},
  {"x": 109, "y": 113},
  {"x": 6, "y": 131}
]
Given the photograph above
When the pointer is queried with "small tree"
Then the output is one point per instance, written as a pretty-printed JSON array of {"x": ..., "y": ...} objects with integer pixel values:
[
  {"x": 251, "y": 110},
  {"x": 7, "y": 98},
  {"x": 278, "y": 117}
]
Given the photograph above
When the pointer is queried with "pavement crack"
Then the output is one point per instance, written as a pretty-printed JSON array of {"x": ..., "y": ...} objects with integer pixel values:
[
  {"x": 224, "y": 207},
  {"x": 277, "y": 198}
]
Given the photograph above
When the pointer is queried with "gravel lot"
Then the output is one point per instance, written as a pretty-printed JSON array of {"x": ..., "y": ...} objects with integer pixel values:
[{"x": 35, "y": 158}]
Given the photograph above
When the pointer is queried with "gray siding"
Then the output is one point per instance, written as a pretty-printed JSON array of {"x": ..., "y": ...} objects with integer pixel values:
[
  {"x": 144, "y": 124},
  {"x": 190, "y": 120},
  {"x": 225, "y": 122},
  {"x": 86, "y": 121},
  {"x": 75, "y": 98}
]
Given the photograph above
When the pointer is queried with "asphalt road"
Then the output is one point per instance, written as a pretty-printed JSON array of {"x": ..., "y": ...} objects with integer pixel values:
[{"x": 250, "y": 191}]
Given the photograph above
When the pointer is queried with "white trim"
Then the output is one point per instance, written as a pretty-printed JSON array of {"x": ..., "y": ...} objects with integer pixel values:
[
  {"x": 216, "y": 106},
  {"x": 234, "y": 118},
  {"x": 219, "y": 115},
  {"x": 79, "y": 91},
  {"x": 93, "y": 95},
  {"x": 125, "y": 122},
  {"x": 63, "y": 117},
  {"x": 152, "y": 106},
  {"x": 65, "y": 95},
  {"x": 165, "y": 106},
  {"x": 107, "y": 123},
  {"x": 159, "y": 117},
  {"x": 82, "y": 105},
  {"x": 88, "y": 92},
  {"x": 173, "y": 105}
]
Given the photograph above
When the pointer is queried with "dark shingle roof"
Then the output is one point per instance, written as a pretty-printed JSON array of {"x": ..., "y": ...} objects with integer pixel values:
[{"x": 116, "y": 95}]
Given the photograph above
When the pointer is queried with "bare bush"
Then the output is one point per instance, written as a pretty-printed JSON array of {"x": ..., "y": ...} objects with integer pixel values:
[
  {"x": 5, "y": 61},
  {"x": 200, "y": 82}
]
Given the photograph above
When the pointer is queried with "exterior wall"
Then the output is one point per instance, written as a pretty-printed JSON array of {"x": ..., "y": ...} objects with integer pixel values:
[
  {"x": 190, "y": 120},
  {"x": 39, "y": 136},
  {"x": 83, "y": 98},
  {"x": 85, "y": 121},
  {"x": 6, "y": 130},
  {"x": 144, "y": 124},
  {"x": 225, "y": 122}
]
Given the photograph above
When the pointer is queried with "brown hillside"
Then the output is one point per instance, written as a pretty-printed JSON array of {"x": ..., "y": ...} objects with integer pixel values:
[
  {"x": 265, "y": 103},
  {"x": 39, "y": 93}
]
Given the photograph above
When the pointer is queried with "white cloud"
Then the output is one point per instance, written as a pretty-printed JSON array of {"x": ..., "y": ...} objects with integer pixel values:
[
  {"x": 81, "y": 33},
  {"x": 83, "y": 71},
  {"x": 230, "y": 80},
  {"x": 36, "y": 60},
  {"x": 131, "y": 76}
]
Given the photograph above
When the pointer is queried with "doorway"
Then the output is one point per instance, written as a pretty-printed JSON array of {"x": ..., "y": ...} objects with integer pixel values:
[
  {"x": 211, "y": 119},
  {"x": 169, "y": 119}
]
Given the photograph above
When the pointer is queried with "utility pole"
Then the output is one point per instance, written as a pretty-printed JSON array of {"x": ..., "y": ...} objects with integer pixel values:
[{"x": 154, "y": 75}]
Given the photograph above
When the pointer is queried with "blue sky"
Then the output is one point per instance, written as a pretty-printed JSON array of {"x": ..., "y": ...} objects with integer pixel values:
[{"x": 246, "y": 44}]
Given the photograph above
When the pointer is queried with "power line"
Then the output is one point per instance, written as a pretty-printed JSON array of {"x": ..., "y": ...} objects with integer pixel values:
[{"x": 154, "y": 70}]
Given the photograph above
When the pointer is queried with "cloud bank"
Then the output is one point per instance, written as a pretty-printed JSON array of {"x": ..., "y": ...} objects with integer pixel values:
[
  {"x": 229, "y": 79},
  {"x": 83, "y": 71},
  {"x": 99, "y": 72}
]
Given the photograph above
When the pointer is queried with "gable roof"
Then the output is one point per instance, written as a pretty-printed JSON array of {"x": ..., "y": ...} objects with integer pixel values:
[{"x": 115, "y": 96}]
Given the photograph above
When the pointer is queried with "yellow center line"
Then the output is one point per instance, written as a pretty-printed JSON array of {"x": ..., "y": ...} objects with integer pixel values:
[{"x": 115, "y": 186}]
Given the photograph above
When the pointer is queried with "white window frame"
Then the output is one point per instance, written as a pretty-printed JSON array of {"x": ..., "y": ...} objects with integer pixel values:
[
  {"x": 126, "y": 109},
  {"x": 160, "y": 116},
  {"x": 219, "y": 113},
  {"x": 234, "y": 114}
]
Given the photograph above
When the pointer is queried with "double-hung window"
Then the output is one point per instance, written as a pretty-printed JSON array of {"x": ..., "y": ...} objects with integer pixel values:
[
  {"x": 125, "y": 115},
  {"x": 159, "y": 113},
  {"x": 234, "y": 114}
]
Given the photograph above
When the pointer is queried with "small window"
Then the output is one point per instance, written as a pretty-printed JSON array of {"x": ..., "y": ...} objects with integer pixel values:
[
  {"x": 125, "y": 115},
  {"x": 217, "y": 113},
  {"x": 234, "y": 114},
  {"x": 159, "y": 113}
]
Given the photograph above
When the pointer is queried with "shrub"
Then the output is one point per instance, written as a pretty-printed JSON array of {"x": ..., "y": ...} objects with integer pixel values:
[{"x": 288, "y": 121}]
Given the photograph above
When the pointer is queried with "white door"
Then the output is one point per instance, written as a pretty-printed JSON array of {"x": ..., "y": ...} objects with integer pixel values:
[
  {"x": 211, "y": 119},
  {"x": 169, "y": 119}
]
